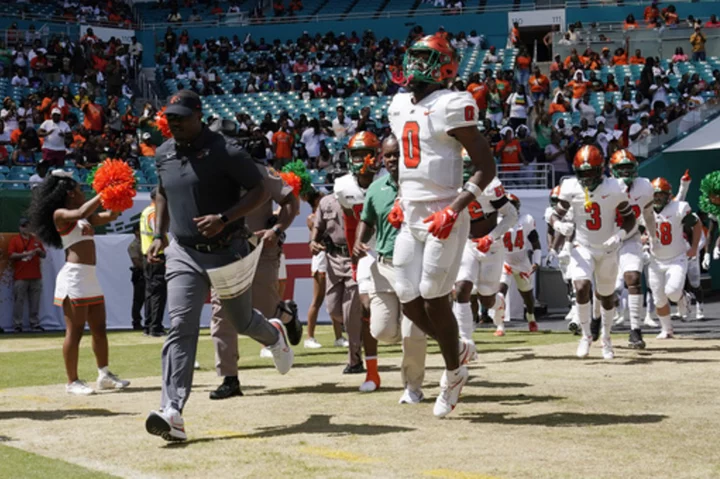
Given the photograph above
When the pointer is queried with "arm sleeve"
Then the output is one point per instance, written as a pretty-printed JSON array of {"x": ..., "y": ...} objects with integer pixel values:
[
  {"x": 565, "y": 191},
  {"x": 460, "y": 111},
  {"x": 240, "y": 166},
  {"x": 683, "y": 190},
  {"x": 13, "y": 246},
  {"x": 509, "y": 218}
]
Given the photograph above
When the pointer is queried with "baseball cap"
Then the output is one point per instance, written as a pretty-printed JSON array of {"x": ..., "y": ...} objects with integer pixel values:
[
  {"x": 183, "y": 103},
  {"x": 24, "y": 221},
  {"x": 146, "y": 136},
  {"x": 56, "y": 111}
]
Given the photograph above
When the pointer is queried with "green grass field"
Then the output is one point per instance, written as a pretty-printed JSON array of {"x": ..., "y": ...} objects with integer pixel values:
[{"x": 530, "y": 410}]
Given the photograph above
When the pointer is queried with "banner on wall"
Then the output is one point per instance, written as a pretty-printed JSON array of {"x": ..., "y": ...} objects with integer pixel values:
[
  {"x": 537, "y": 18},
  {"x": 113, "y": 269},
  {"x": 105, "y": 34}
]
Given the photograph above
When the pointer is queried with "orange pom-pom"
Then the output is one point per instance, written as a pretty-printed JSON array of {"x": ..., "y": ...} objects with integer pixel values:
[
  {"x": 162, "y": 123},
  {"x": 293, "y": 181},
  {"x": 115, "y": 183}
]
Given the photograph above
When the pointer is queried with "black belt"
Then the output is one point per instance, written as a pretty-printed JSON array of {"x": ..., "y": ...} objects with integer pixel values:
[
  {"x": 337, "y": 249},
  {"x": 384, "y": 259},
  {"x": 207, "y": 247}
]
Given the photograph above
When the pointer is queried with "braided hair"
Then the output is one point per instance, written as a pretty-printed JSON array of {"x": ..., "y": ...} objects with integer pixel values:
[{"x": 47, "y": 198}]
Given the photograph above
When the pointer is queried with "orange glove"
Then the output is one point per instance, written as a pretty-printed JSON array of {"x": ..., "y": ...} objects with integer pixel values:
[
  {"x": 686, "y": 176},
  {"x": 396, "y": 215},
  {"x": 441, "y": 223},
  {"x": 483, "y": 244}
]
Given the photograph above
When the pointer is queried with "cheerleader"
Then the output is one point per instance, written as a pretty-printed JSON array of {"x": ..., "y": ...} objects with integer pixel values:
[{"x": 62, "y": 218}]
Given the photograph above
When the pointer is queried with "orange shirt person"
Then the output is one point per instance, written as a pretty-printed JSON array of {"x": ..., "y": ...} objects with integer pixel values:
[
  {"x": 539, "y": 85},
  {"x": 620, "y": 57},
  {"x": 509, "y": 150},
  {"x": 637, "y": 59},
  {"x": 93, "y": 121},
  {"x": 559, "y": 105},
  {"x": 283, "y": 143},
  {"x": 579, "y": 85},
  {"x": 478, "y": 90}
]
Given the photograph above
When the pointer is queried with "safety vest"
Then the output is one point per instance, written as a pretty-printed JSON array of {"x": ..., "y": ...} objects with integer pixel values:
[{"x": 147, "y": 228}]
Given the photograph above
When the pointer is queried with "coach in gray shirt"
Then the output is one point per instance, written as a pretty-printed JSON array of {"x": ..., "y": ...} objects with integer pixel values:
[{"x": 201, "y": 177}]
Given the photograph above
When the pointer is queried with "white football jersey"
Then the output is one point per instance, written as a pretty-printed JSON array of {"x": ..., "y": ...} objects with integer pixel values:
[
  {"x": 351, "y": 195},
  {"x": 670, "y": 241},
  {"x": 639, "y": 196},
  {"x": 482, "y": 206},
  {"x": 549, "y": 212},
  {"x": 516, "y": 241},
  {"x": 597, "y": 222},
  {"x": 430, "y": 160}
]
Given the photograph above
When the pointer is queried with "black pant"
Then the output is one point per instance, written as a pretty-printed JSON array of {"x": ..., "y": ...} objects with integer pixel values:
[
  {"x": 155, "y": 295},
  {"x": 138, "y": 282}
]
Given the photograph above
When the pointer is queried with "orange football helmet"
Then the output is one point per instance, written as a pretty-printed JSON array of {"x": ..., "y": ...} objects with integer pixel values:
[
  {"x": 624, "y": 166},
  {"x": 588, "y": 165},
  {"x": 431, "y": 59},
  {"x": 663, "y": 193},
  {"x": 555, "y": 195},
  {"x": 514, "y": 200},
  {"x": 363, "y": 149}
]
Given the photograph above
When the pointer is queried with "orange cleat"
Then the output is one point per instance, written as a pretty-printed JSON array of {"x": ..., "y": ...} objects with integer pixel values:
[
  {"x": 533, "y": 327},
  {"x": 499, "y": 332}
]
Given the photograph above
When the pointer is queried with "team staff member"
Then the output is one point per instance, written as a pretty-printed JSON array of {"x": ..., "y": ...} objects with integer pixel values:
[
  {"x": 341, "y": 292},
  {"x": 387, "y": 323},
  {"x": 201, "y": 175},
  {"x": 137, "y": 277},
  {"x": 155, "y": 285},
  {"x": 270, "y": 229}
]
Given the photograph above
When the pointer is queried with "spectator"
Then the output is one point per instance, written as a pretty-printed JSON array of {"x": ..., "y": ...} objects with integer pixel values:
[
  {"x": 174, "y": 16},
  {"x": 494, "y": 103},
  {"x": 713, "y": 22},
  {"x": 39, "y": 175},
  {"x": 23, "y": 155},
  {"x": 25, "y": 252},
  {"x": 579, "y": 86},
  {"x": 282, "y": 142},
  {"x": 679, "y": 55},
  {"x": 137, "y": 278},
  {"x": 312, "y": 138},
  {"x": 54, "y": 131},
  {"x": 514, "y": 37},
  {"x": 630, "y": 23},
  {"x": 342, "y": 125},
  {"x": 559, "y": 104},
  {"x": 610, "y": 85},
  {"x": 523, "y": 65},
  {"x": 147, "y": 149},
  {"x": 278, "y": 8},
  {"x": 587, "y": 111},
  {"x": 490, "y": 56},
  {"x": 539, "y": 86},
  {"x": 640, "y": 137},
  {"x": 20, "y": 80},
  {"x": 258, "y": 145},
  {"x": 697, "y": 40},
  {"x": 637, "y": 59},
  {"x": 509, "y": 151},
  {"x": 195, "y": 17},
  {"x": 519, "y": 107},
  {"x": 94, "y": 121},
  {"x": 620, "y": 57}
]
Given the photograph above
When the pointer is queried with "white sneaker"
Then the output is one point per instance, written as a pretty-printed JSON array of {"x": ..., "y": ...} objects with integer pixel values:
[
  {"x": 341, "y": 343},
  {"x": 312, "y": 343},
  {"x": 266, "y": 353},
  {"x": 619, "y": 319},
  {"x": 583, "y": 349},
  {"x": 197, "y": 365},
  {"x": 607, "y": 349},
  {"x": 411, "y": 397},
  {"x": 368, "y": 387},
  {"x": 571, "y": 314},
  {"x": 79, "y": 388},
  {"x": 699, "y": 313},
  {"x": 650, "y": 322},
  {"x": 665, "y": 335},
  {"x": 111, "y": 381},
  {"x": 468, "y": 352},
  {"x": 167, "y": 424},
  {"x": 451, "y": 385},
  {"x": 282, "y": 355}
]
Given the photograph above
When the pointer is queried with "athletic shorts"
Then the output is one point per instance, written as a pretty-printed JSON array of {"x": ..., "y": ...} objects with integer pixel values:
[
  {"x": 79, "y": 283},
  {"x": 484, "y": 270},
  {"x": 598, "y": 264},
  {"x": 630, "y": 257},
  {"x": 282, "y": 272},
  {"x": 666, "y": 279},
  {"x": 524, "y": 283},
  {"x": 318, "y": 263}
]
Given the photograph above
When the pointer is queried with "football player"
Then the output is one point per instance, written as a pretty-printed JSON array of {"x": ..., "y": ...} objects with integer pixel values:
[
  {"x": 433, "y": 124},
  {"x": 624, "y": 167},
  {"x": 517, "y": 242},
  {"x": 595, "y": 201},
  {"x": 668, "y": 266},
  {"x": 483, "y": 256},
  {"x": 363, "y": 149}
]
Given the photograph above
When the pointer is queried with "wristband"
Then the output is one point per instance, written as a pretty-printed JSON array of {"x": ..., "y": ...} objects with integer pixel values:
[
  {"x": 224, "y": 219},
  {"x": 277, "y": 230},
  {"x": 473, "y": 189},
  {"x": 622, "y": 234},
  {"x": 158, "y": 236}
]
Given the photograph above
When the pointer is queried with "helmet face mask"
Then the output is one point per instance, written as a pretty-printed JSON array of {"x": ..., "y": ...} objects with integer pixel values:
[
  {"x": 590, "y": 177},
  {"x": 660, "y": 200},
  {"x": 364, "y": 160},
  {"x": 625, "y": 171}
]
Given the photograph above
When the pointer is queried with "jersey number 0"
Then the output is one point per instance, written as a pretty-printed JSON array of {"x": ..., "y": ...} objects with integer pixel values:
[{"x": 411, "y": 144}]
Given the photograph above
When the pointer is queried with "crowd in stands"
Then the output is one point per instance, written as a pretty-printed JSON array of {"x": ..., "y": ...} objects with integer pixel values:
[{"x": 113, "y": 13}]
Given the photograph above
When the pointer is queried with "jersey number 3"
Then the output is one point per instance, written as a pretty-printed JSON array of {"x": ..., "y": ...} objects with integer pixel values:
[
  {"x": 411, "y": 144},
  {"x": 595, "y": 221}
]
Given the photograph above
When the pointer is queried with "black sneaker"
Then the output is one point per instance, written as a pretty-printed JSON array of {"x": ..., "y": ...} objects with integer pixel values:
[
  {"x": 18, "y": 329},
  {"x": 2, "y": 330},
  {"x": 636, "y": 339},
  {"x": 574, "y": 328},
  {"x": 357, "y": 369},
  {"x": 229, "y": 388},
  {"x": 38, "y": 329},
  {"x": 137, "y": 327},
  {"x": 294, "y": 328},
  {"x": 595, "y": 326},
  {"x": 158, "y": 334}
]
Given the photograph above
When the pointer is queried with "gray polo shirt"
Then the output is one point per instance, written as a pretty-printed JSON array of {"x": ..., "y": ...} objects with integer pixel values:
[{"x": 203, "y": 178}]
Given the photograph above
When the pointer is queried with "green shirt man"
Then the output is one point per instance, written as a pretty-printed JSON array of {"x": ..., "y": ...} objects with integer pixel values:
[{"x": 379, "y": 200}]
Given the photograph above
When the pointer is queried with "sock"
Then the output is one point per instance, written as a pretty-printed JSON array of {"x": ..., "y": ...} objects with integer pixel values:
[
  {"x": 530, "y": 317},
  {"x": 103, "y": 371},
  {"x": 666, "y": 323},
  {"x": 635, "y": 307},
  {"x": 583, "y": 315},
  {"x": 463, "y": 315},
  {"x": 596, "y": 308},
  {"x": 497, "y": 312},
  {"x": 607, "y": 316},
  {"x": 624, "y": 305},
  {"x": 372, "y": 370}
]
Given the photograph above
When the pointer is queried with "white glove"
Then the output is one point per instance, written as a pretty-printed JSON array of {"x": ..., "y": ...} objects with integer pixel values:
[
  {"x": 615, "y": 240},
  {"x": 551, "y": 259},
  {"x": 716, "y": 253},
  {"x": 565, "y": 228},
  {"x": 706, "y": 261}
]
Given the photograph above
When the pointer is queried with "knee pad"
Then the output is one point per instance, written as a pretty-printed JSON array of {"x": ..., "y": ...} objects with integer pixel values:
[
  {"x": 605, "y": 288},
  {"x": 386, "y": 332},
  {"x": 673, "y": 294},
  {"x": 434, "y": 288},
  {"x": 406, "y": 291}
]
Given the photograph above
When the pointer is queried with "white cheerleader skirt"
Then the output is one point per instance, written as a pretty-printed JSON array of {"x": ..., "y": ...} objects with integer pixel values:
[
  {"x": 282, "y": 272},
  {"x": 79, "y": 283},
  {"x": 319, "y": 263}
]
